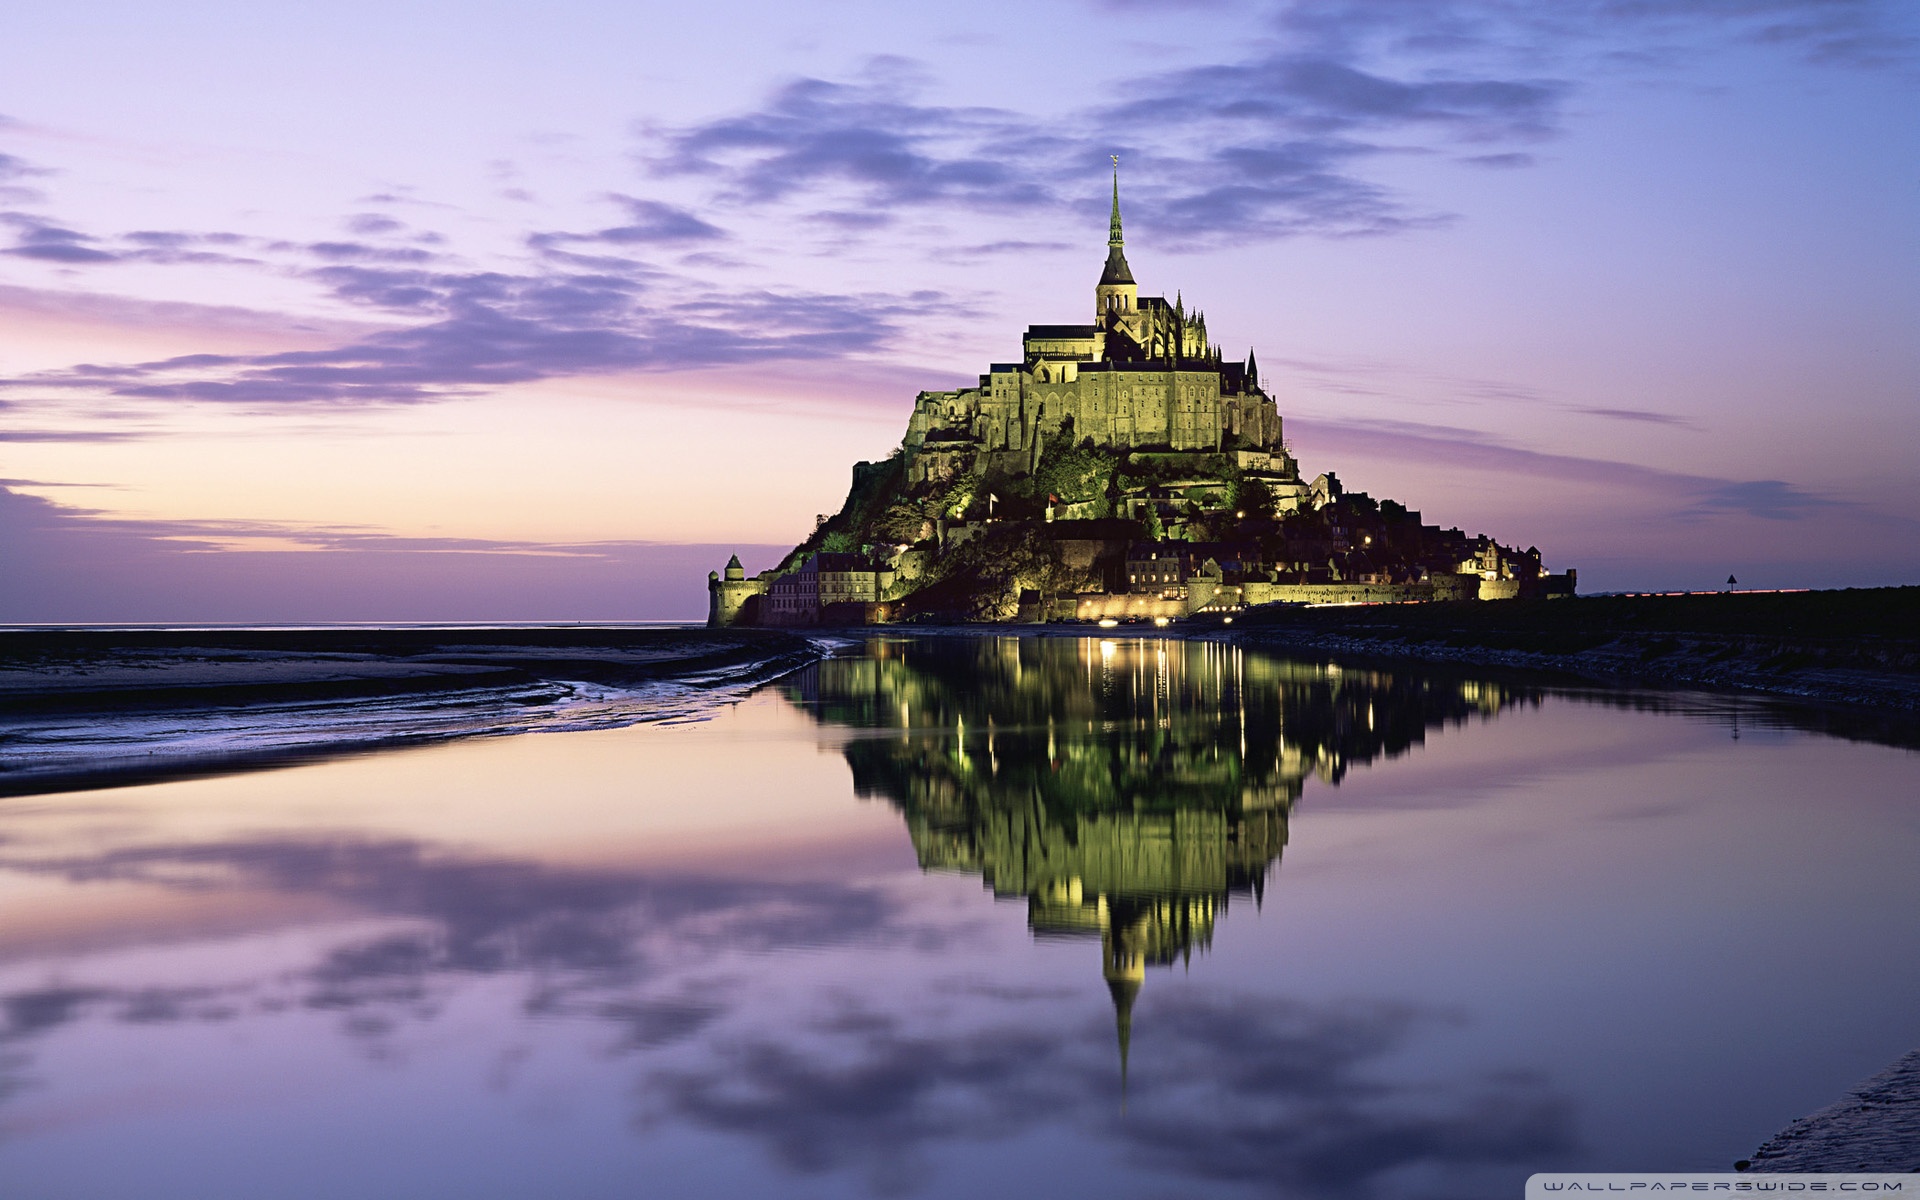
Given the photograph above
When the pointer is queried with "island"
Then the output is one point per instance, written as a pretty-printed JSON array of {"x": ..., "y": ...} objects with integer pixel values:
[{"x": 1123, "y": 469}]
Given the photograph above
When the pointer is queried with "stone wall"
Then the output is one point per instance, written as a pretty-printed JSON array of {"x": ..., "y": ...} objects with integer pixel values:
[
  {"x": 733, "y": 601},
  {"x": 1445, "y": 588},
  {"x": 1099, "y": 606}
]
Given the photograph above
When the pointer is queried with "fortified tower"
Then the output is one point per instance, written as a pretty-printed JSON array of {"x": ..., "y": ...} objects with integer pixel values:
[{"x": 734, "y": 598}]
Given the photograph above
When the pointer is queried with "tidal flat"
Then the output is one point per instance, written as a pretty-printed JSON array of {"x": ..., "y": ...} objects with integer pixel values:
[
  {"x": 84, "y": 706},
  {"x": 951, "y": 916}
]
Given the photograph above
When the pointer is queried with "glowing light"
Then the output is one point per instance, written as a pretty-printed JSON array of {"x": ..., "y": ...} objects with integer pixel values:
[{"x": 1108, "y": 622}]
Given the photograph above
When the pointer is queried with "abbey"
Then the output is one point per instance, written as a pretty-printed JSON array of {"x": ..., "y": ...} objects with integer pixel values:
[
  {"x": 1120, "y": 470},
  {"x": 1140, "y": 375}
]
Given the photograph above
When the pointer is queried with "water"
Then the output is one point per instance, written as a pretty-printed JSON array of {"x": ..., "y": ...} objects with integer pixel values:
[{"x": 963, "y": 917}]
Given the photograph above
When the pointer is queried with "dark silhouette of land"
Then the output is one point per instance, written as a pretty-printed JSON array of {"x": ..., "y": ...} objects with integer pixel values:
[
  {"x": 1857, "y": 646},
  {"x": 95, "y": 669}
]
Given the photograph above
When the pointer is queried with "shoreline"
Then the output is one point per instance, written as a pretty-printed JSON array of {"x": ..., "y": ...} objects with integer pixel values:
[
  {"x": 106, "y": 708},
  {"x": 1628, "y": 662},
  {"x": 1874, "y": 1127},
  {"x": 99, "y": 706},
  {"x": 1856, "y": 649}
]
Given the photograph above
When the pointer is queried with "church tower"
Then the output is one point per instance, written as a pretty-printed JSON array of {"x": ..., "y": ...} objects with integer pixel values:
[{"x": 1116, "y": 296}]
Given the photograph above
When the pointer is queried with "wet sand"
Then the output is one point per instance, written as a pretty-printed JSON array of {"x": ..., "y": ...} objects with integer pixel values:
[
  {"x": 85, "y": 707},
  {"x": 1874, "y": 1127}
]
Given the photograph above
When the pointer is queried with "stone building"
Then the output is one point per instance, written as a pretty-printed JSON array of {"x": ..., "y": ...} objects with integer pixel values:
[
  {"x": 733, "y": 599},
  {"x": 1140, "y": 375},
  {"x": 825, "y": 587}
]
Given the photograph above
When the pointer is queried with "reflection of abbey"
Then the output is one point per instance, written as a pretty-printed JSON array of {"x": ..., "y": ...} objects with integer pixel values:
[
  {"x": 1121, "y": 468},
  {"x": 1128, "y": 790}
]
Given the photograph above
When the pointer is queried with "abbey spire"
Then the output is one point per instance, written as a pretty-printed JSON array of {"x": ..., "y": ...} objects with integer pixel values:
[{"x": 1117, "y": 272}]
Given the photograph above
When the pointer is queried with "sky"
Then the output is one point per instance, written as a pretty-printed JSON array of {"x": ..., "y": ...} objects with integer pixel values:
[{"x": 503, "y": 311}]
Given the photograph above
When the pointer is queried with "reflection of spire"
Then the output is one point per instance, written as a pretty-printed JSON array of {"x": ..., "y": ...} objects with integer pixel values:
[
  {"x": 1125, "y": 969},
  {"x": 1124, "y": 991}
]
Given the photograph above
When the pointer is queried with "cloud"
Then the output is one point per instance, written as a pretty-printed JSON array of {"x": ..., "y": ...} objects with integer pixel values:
[
  {"x": 871, "y": 135},
  {"x": 1690, "y": 495},
  {"x": 1772, "y": 499},
  {"x": 13, "y": 169},
  {"x": 37, "y": 238},
  {"x": 991, "y": 249},
  {"x": 1317, "y": 94},
  {"x": 1278, "y": 140},
  {"x": 1506, "y": 161},
  {"x": 565, "y": 314},
  {"x": 482, "y": 330},
  {"x": 362, "y": 252},
  {"x": 68, "y": 435},
  {"x": 1265, "y": 146},
  {"x": 371, "y": 224},
  {"x": 40, "y": 238},
  {"x": 1268, "y": 145},
  {"x": 1641, "y": 415},
  {"x": 1274, "y": 143},
  {"x": 70, "y": 564},
  {"x": 652, "y": 222},
  {"x": 1849, "y": 33}
]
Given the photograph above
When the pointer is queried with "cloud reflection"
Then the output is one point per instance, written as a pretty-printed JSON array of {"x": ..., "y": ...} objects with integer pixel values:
[
  {"x": 1126, "y": 797},
  {"x": 1230, "y": 1089}
]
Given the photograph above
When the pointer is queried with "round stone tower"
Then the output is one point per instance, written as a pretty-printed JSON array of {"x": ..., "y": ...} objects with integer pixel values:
[{"x": 733, "y": 599}]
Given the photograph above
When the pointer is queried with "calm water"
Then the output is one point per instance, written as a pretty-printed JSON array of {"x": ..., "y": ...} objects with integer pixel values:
[{"x": 961, "y": 918}]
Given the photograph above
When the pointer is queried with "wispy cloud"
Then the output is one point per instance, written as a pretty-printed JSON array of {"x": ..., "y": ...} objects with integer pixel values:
[
  {"x": 1277, "y": 142},
  {"x": 649, "y": 223},
  {"x": 1773, "y": 499},
  {"x": 498, "y": 330},
  {"x": 563, "y": 314},
  {"x": 38, "y": 238},
  {"x": 1846, "y": 33},
  {"x": 68, "y": 435},
  {"x": 1640, "y": 415},
  {"x": 1691, "y": 496},
  {"x": 71, "y": 563},
  {"x": 1267, "y": 145},
  {"x": 14, "y": 169}
]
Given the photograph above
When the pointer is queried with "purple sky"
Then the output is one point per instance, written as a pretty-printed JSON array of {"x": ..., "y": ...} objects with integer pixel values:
[{"x": 396, "y": 311}]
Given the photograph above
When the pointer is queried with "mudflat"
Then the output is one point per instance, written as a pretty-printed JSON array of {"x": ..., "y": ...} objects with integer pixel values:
[
  {"x": 83, "y": 669},
  {"x": 93, "y": 707}
]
